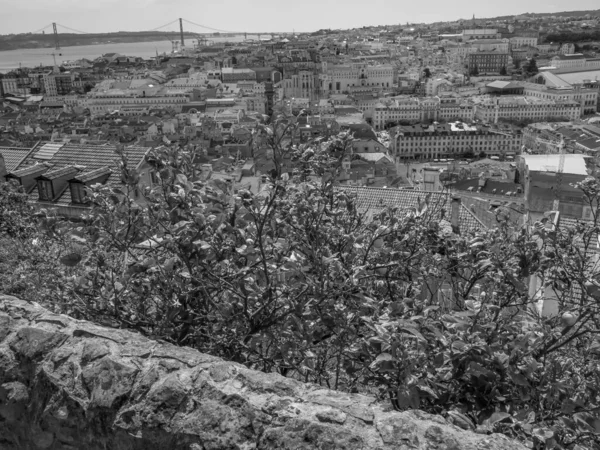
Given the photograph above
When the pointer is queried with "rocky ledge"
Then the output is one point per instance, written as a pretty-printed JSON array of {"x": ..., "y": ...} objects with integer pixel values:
[{"x": 69, "y": 384}]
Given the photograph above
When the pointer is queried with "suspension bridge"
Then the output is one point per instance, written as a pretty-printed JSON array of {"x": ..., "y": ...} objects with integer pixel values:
[{"x": 173, "y": 29}]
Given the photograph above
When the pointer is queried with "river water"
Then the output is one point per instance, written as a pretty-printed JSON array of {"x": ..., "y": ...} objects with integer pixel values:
[{"x": 32, "y": 57}]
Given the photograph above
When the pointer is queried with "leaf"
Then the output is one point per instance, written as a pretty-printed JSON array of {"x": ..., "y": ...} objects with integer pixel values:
[
  {"x": 78, "y": 239},
  {"x": 426, "y": 391},
  {"x": 458, "y": 345},
  {"x": 202, "y": 244},
  {"x": 569, "y": 423},
  {"x": 380, "y": 358},
  {"x": 71, "y": 259},
  {"x": 519, "y": 379},
  {"x": 498, "y": 417}
]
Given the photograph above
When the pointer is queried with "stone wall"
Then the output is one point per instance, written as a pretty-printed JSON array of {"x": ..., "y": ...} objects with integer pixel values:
[{"x": 68, "y": 384}]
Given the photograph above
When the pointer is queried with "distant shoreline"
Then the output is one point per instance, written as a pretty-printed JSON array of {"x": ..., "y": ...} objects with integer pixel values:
[{"x": 41, "y": 41}]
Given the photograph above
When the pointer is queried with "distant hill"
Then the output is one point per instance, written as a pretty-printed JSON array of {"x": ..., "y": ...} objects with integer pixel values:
[
  {"x": 591, "y": 12},
  {"x": 556, "y": 14}
]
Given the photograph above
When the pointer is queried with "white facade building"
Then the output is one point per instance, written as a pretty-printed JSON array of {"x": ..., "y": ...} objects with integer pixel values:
[
  {"x": 451, "y": 140},
  {"x": 341, "y": 78},
  {"x": 410, "y": 109},
  {"x": 489, "y": 110},
  {"x": 523, "y": 41}
]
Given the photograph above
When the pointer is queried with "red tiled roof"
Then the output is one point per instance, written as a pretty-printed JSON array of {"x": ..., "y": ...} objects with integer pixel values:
[
  {"x": 90, "y": 160},
  {"x": 33, "y": 169},
  {"x": 13, "y": 156},
  {"x": 376, "y": 199},
  {"x": 93, "y": 174},
  {"x": 92, "y": 156},
  {"x": 59, "y": 173}
]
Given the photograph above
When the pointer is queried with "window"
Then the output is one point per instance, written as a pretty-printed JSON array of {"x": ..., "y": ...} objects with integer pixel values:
[
  {"x": 78, "y": 194},
  {"x": 45, "y": 190}
]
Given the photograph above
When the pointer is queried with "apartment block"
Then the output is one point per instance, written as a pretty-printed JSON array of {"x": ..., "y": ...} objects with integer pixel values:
[
  {"x": 411, "y": 109},
  {"x": 491, "y": 109},
  {"x": 337, "y": 79},
  {"x": 451, "y": 140},
  {"x": 487, "y": 62}
]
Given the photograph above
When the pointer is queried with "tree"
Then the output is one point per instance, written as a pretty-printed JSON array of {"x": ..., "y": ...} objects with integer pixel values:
[
  {"x": 427, "y": 72},
  {"x": 297, "y": 279},
  {"x": 503, "y": 70},
  {"x": 531, "y": 67},
  {"x": 475, "y": 71}
]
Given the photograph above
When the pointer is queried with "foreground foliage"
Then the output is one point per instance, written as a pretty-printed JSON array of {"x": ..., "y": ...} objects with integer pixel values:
[{"x": 296, "y": 280}]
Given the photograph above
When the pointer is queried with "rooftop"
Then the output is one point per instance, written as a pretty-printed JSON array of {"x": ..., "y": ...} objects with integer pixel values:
[
  {"x": 13, "y": 156},
  {"x": 374, "y": 200},
  {"x": 575, "y": 164}
]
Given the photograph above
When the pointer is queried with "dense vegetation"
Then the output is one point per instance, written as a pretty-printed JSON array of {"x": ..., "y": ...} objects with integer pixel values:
[
  {"x": 573, "y": 36},
  {"x": 297, "y": 280}
]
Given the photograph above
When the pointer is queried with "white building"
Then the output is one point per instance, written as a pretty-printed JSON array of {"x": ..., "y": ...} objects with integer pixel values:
[
  {"x": 433, "y": 86},
  {"x": 568, "y": 61},
  {"x": 568, "y": 48},
  {"x": 342, "y": 78},
  {"x": 410, "y": 109},
  {"x": 489, "y": 110},
  {"x": 451, "y": 140},
  {"x": 523, "y": 41},
  {"x": 135, "y": 97},
  {"x": 586, "y": 97},
  {"x": 480, "y": 33},
  {"x": 490, "y": 45},
  {"x": 258, "y": 104},
  {"x": 302, "y": 83}
]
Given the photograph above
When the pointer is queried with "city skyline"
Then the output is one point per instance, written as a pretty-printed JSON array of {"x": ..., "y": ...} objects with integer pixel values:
[{"x": 105, "y": 16}]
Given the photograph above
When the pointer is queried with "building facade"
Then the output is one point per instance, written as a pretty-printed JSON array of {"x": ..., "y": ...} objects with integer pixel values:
[
  {"x": 568, "y": 61},
  {"x": 336, "y": 79},
  {"x": 490, "y": 110},
  {"x": 411, "y": 109},
  {"x": 134, "y": 103},
  {"x": 487, "y": 62},
  {"x": 300, "y": 84},
  {"x": 452, "y": 140},
  {"x": 523, "y": 41},
  {"x": 586, "y": 97}
]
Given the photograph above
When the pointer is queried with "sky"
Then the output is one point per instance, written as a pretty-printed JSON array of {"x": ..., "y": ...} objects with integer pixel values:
[{"x": 93, "y": 16}]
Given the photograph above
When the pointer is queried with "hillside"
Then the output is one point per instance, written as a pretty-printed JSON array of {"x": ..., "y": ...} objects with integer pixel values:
[{"x": 550, "y": 14}]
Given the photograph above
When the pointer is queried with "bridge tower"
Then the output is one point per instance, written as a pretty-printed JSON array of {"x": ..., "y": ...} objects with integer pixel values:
[
  {"x": 181, "y": 31},
  {"x": 56, "y": 43}
]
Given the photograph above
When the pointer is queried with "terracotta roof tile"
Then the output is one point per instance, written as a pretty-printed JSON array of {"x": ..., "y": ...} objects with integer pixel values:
[
  {"x": 376, "y": 199},
  {"x": 13, "y": 156},
  {"x": 33, "y": 169},
  {"x": 91, "y": 161},
  {"x": 60, "y": 172},
  {"x": 93, "y": 174}
]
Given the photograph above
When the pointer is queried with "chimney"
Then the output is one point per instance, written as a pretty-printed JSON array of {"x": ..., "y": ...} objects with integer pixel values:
[
  {"x": 455, "y": 214},
  {"x": 3, "y": 171}
]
